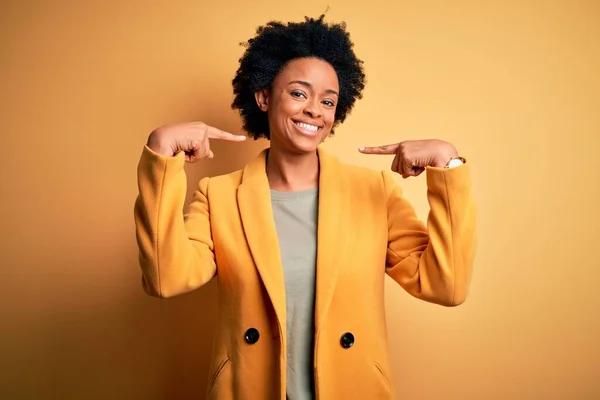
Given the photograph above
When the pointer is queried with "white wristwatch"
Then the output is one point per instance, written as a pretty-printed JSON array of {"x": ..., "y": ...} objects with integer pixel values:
[{"x": 455, "y": 162}]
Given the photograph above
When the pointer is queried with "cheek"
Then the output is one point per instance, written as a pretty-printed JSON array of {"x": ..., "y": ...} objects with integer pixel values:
[
  {"x": 288, "y": 109},
  {"x": 329, "y": 116},
  {"x": 280, "y": 112}
]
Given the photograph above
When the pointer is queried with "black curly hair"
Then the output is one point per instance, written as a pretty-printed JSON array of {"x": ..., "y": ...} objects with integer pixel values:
[{"x": 274, "y": 45}]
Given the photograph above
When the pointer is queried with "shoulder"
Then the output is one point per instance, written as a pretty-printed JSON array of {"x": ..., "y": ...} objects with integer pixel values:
[
  {"x": 364, "y": 181},
  {"x": 231, "y": 179},
  {"x": 366, "y": 185},
  {"x": 221, "y": 184},
  {"x": 361, "y": 176},
  {"x": 360, "y": 172}
]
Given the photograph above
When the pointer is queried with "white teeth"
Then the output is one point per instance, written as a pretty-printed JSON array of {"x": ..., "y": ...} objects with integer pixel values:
[{"x": 308, "y": 127}]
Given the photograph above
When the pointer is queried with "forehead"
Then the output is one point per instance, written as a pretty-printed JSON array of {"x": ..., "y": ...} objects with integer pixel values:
[{"x": 317, "y": 72}]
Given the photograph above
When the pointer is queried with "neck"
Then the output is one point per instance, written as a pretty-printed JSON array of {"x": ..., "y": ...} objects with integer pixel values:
[{"x": 292, "y": 172}]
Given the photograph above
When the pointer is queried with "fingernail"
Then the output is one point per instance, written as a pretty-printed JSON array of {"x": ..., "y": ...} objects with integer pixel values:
[{"x": 361, "y": 149}]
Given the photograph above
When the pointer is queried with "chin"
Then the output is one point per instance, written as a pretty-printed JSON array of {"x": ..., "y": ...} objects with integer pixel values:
[
  {"x": 305, "y": 144},
  {"x": 306, "y": 147}
]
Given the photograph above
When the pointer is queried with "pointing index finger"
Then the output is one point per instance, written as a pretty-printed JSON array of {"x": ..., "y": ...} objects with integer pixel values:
[
  {"x": 385, "y": 149},
  {"x": 214, "y": 133}
]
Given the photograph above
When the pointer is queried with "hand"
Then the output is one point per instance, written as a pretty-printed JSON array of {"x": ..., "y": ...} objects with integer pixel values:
[
  {"x": 412, "y": 156},
  {"x": 189, "y": 137}
]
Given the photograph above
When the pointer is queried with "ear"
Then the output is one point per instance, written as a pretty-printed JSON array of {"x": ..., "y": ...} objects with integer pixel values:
[{"x": 262, "y": 99}]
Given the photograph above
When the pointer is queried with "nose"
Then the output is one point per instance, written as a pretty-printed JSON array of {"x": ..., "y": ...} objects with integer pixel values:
[{"x": 312, "y": 109}]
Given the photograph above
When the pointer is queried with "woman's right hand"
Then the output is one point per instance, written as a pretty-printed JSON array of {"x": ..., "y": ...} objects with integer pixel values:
[{"x": 189, "y": 137}]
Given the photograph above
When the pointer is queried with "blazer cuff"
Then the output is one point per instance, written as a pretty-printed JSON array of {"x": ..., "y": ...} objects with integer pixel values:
[{"x": 443, "y": 179}]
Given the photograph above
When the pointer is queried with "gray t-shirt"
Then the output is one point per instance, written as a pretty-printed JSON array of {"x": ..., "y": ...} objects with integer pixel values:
[{"x": 295, "y": 216}]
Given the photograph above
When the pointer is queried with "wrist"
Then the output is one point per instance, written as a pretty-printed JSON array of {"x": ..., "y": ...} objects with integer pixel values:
[{"x": 159, "y": 145}]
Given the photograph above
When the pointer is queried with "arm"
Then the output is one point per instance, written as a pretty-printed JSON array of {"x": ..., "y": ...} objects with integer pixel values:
[
  {"x": 433, "y": 263},
  {"x": 176, "y": 252}
]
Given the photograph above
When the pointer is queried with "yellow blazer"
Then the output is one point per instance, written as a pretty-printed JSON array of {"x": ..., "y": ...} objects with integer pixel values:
[{"x": 365, "y": 230}]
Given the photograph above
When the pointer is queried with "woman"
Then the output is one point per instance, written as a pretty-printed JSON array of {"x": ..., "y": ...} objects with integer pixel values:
[{"x": 298, "y": 241}]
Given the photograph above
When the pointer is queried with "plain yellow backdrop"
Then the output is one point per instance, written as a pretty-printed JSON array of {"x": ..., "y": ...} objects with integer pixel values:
[{"x": 515, "y": 85}]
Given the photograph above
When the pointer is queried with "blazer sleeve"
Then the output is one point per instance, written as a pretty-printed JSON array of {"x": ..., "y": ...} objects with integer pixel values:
[
  {"x": 176, "y": 251},
  {"x": 433, "y": 262}
]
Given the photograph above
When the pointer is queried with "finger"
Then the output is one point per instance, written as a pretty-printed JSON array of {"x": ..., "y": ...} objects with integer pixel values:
[
  {"x": 194, "y": 153},
  {"x": 405, "y": 168},
  {"x": 385, "y": 149},
  {"x": 214, "y": 133},
  {"x": 414, "y": 171},
  {"x": 419, "y": 171},
  {"x": 192, "y": 156},
  {"x": 396, "y": 162},
  {"x": 205, "y": 148}
]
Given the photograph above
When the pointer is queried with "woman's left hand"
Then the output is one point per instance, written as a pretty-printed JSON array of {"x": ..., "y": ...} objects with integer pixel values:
[{"x": 412, "y": 156}]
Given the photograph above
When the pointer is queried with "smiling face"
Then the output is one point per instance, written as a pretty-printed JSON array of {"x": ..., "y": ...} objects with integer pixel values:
[{"x": 301, "y": 105}]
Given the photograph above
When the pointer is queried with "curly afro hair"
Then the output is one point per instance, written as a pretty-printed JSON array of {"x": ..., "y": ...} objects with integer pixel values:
[{"x": 274, "y": 45}]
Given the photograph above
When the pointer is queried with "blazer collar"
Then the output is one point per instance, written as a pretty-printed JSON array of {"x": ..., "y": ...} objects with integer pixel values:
[{"x": 254, "y": 199}]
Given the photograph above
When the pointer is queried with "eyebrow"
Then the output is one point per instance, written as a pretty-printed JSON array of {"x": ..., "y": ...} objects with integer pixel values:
[{"x": 308, "y": 84}]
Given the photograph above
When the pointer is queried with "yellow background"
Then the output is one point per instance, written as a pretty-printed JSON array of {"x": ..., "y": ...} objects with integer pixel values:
[{"x": 515, "y": 85}]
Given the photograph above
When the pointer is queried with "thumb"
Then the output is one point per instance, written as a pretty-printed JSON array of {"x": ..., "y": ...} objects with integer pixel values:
[{"x": 385, "y": 149}]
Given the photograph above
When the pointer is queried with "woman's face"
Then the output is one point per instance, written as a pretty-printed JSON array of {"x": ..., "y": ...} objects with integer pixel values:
[{"x": 301, "y": 105}]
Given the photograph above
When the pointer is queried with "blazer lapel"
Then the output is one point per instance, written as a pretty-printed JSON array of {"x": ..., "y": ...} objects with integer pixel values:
[
  {"x": 254, "y": 200},
  {"x": 333, "y": 225}
]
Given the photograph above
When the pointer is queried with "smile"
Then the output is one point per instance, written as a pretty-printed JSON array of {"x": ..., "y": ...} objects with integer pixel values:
[{"x": 307, "y": 128}]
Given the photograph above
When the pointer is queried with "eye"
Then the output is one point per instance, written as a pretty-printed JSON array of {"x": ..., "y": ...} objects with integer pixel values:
[
  {"x": 329, "y": 103},
  {"x": 298, "y": 94}
]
